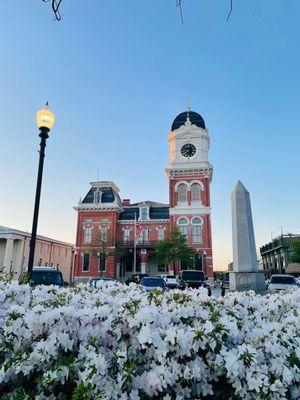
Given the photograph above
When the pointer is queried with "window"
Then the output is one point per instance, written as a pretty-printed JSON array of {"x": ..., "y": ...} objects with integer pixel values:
[
  {"x": 143, "y": 237},
  {"x": 182, "y": 193},
  {"x": 101, "y": 267},
  {"x": 41, "y": 249},
  {"x": 161, "y": 233},
  {"x": 126, "y": 237},
  {"x": 86, "y": 262},
  {"x": 66, "y": 253},
  {"x": 87, "y": 235},
  {"x": 196, "y": 192},
  {"x": 146, "y": 235},
  {"x": 103, "y": 234},
  {"x": 58, "y": 250},
  {"x": 48, "y": 249},
  {"x": 183, "y": 226},
  {"x": 144, "y": 213},
  {"x": 97, "y": 196},
  {"x": 197, "y": 230}
]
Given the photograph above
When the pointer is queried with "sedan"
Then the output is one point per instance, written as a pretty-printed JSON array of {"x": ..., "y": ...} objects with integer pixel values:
[{"x": 153, "y": 283}]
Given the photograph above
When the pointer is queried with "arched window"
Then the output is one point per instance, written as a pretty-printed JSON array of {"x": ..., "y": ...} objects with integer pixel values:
[
  {"x": 183, "y": 226},
  {"x": 182, "y": 193},
  {"x": 196, "y": 192},
  {"x": 197, "y": 230}
]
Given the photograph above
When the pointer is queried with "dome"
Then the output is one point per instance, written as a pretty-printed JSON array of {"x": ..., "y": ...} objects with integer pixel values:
[{"x": 195, "y": 119}]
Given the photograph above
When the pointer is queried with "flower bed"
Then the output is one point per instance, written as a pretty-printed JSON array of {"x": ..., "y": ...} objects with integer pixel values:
[{"x": 119, "y": 342}]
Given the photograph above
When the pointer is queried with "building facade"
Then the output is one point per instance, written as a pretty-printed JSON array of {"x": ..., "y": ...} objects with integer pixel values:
[
  {"x": 14, "y": 253},
  {"x": 128, "y": 233},
  {"x": 276, "y": 254}
]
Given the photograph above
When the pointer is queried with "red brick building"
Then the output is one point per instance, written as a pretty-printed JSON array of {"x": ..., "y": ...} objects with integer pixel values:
[{"x": 104, "y": 216}]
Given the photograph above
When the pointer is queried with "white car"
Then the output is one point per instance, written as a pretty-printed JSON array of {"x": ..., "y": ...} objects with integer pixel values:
[
  {"x": 170, "y": 280},
  {"x": 280, "y": 282}
]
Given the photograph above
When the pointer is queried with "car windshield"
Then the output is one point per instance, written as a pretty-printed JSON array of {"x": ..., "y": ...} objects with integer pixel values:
[
  {"x": 287, "y": 280},
  {"x": 193, "y": 275},
  {"x": 153, "y": 282},
  {"x": 46, "y": 278},
  {"x": 226, "y": 278},
  {"x": 170, "y": 277}
]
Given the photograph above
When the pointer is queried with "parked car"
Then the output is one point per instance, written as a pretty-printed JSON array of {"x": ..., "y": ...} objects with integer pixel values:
[
  {"x": 193, "y": 279},
  {"x": 149, "y": 283},
  {"x": 94, "y": 281},
  {"x": 136, "y": 278},
  {"x": 170, "y": 280},
  {"x": 47, "y": 276},
  {"x": 282, "y": 281}
]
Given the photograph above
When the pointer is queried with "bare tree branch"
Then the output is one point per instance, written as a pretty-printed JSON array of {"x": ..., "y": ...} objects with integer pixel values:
[
  {"x": 55, "y": 4},
  {"x": 230, "y": 11}
]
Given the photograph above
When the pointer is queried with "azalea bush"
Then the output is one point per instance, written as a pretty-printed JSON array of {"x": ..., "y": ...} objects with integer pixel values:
[{"x": 119, "y": 342}]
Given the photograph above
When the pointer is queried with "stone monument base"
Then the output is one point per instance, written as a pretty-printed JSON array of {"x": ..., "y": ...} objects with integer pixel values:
[{"x": 242, "y": 281}]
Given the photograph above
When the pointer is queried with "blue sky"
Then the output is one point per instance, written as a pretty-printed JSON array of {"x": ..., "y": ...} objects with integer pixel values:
[{"x": 117, "y": 73}]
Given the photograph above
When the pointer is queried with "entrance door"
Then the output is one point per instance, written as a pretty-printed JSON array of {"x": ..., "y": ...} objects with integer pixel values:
[{"x": 198, "y": 261}]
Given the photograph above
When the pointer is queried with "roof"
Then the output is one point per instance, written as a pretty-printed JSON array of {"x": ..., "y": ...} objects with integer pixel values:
[
  {"x": 155, "y": 212},
  {"x": 4, "y": 230},
  {"x": 195, "y": 119},
  {"x": 109, "y": 193}
]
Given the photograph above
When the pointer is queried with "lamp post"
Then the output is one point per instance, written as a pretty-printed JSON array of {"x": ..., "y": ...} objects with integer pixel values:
[
  {"x": 45, "y": 120},
  {"x": 204, "y": 261}
]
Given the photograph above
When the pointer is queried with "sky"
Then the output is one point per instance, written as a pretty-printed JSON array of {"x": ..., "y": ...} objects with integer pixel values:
[{"x": 116, "y": 73}]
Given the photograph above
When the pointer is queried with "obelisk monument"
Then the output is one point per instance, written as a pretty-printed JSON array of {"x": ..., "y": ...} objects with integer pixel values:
[{"x": 245, "y": 275}]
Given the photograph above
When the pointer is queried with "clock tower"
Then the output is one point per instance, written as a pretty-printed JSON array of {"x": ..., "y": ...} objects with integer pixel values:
[{"x": 190, "y": 173}]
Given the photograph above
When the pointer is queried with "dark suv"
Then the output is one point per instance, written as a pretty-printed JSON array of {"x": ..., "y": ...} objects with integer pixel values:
[
  {"x": 47, "y": 276},
  {"x": 193, "y": 279}
]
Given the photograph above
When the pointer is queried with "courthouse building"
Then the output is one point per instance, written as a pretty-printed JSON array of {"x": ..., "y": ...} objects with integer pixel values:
[{"x": 104, "y": 214}]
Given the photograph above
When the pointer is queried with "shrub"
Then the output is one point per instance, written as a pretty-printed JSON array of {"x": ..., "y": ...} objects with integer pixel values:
[{"x": 118, "y": 342}]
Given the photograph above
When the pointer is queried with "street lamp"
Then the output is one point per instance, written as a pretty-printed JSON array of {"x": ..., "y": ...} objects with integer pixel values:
[{"x": 45, "y": 120}]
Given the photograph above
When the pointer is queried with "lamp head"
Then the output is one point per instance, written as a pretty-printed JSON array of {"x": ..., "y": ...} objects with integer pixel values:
[{"x": 45, "y": 117}]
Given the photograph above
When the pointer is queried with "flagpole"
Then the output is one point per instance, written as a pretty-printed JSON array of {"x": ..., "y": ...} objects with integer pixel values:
[{"x": 134, "y": 249}]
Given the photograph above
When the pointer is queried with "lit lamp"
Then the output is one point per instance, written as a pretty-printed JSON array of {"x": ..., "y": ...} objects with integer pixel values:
[{"x": 45, "y": 120}]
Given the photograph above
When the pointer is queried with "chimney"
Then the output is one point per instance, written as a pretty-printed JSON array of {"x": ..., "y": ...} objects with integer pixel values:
[{"x": 126, "y": 202}]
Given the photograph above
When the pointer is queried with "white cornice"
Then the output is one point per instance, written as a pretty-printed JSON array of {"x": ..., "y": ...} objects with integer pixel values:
[
  {"x": 98, "y": 207},
  {"x": 151, "y": 221},
  {"x": 190, "y": 210}
]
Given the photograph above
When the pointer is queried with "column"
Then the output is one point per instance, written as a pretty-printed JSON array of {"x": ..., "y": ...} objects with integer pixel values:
[
  {"x": 143, "y": 261},
  {"x": 118, "y": 269},
  {"x": 8, "y": 257}
]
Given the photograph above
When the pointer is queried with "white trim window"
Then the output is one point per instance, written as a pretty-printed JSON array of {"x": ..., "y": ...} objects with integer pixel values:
[
  {"x": 182, "y": 193},
  {"x": 86, "y": 262},
  {"x": 87, "y": 239},
  {"x": 126, "y": 235},
  {"x": 97, "y": 196},
  {"x": 197, "y": 230},
  {"x": 196, "y": 192},
  {"x": 104, "y": 234},
  {"x": 161, "y": 233},
  {"x": 183, "y": 226}
]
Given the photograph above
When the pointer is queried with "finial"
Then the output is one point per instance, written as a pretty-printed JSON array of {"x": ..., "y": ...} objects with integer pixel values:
[{"x": 188, "y": 108}]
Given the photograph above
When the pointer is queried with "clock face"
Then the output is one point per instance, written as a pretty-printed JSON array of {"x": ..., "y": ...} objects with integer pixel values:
[{"x": 188, "y": 150}]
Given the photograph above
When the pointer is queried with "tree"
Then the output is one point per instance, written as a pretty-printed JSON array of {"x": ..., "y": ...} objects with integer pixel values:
[
  {"x": 173, "y": 249},
  {"x": 295, "y": 251},
  {"x": 103, "y": 246}
]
